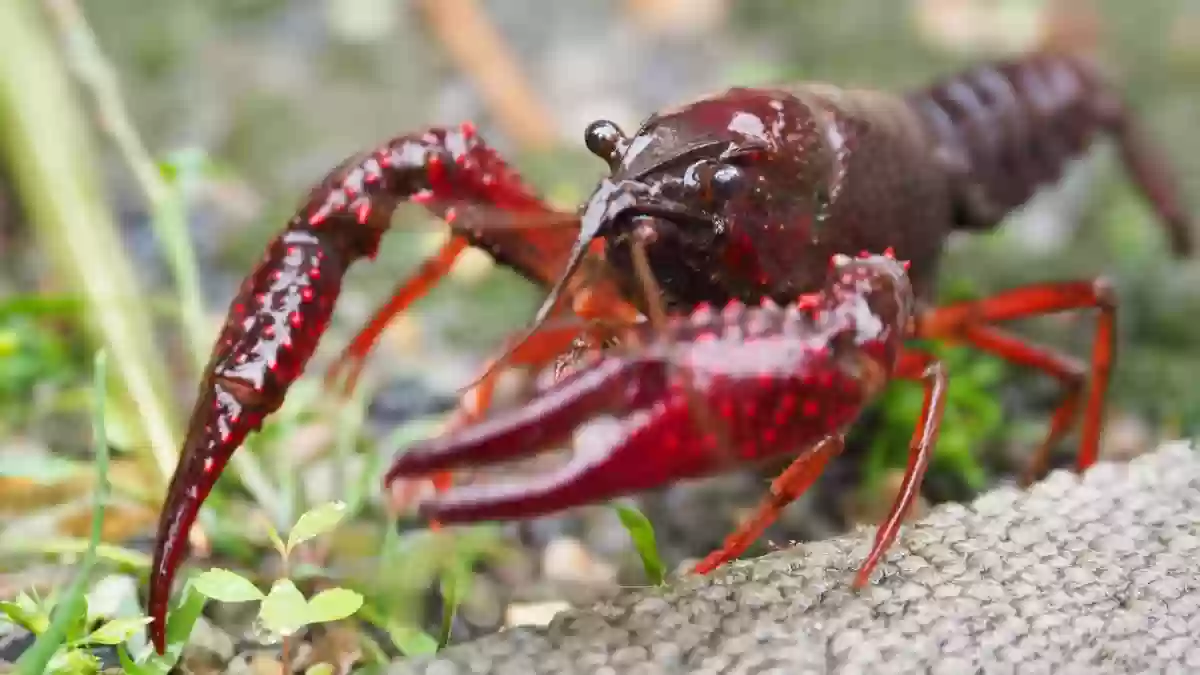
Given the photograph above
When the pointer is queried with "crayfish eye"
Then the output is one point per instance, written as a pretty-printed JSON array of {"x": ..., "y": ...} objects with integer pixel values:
[
  {"x": 716, "y": 182},
  {"x": 604, "y": 139}
]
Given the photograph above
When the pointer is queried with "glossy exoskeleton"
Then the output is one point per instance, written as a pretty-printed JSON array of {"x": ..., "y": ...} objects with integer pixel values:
[{"x": 741, "y": 196}]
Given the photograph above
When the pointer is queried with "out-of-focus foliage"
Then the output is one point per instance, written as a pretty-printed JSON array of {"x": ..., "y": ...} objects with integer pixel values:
[{"x": 37, "y": 354}]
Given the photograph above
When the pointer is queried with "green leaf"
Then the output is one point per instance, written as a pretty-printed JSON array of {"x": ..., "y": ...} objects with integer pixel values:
[
  {"x": 78, "y": 625},
  {"x": 32, "y": 621},
  {"x": 276, "y": 540},
  {"x": 333, "y": 604},
  {"x": 316, "y": 522},
  {"x": 116, "y": 631},
  {"x": 73, "y": 662},
  {"x": 411, "y": 641},
  {"x": 320, "y": 669},
  {"x": 642, "y": 533},
  {"x": 284, "y": 611},
  {"x": 455, "y": 580},
  {"x": 180, "y": 623},
  {"x": 130, "y": 666},
  {"x": 225, "y": 586}
]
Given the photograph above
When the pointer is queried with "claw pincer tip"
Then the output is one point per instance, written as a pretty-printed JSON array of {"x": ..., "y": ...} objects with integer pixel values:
[{"x": 220, "y": 422}]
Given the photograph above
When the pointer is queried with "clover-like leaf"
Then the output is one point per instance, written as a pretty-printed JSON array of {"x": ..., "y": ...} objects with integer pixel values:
[
  {"x": 284, "y": 611},
  {"x": 320, "y": 669},
  {"x": 226, "y": 586},
  {"x": 333, "y": 604},
  {"x": 316, "y": 522},
  {"x": 116, "y": 631}
]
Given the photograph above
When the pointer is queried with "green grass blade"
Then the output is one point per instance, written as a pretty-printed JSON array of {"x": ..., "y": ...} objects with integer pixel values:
[
  {"x": 642, "y": 533},
  {"x": 50, "y": 154},
  {"x": 34, "y": 660}
]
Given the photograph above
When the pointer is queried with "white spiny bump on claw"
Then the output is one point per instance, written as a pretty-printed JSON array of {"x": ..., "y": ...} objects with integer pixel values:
[{"x": 759, "y": 324}]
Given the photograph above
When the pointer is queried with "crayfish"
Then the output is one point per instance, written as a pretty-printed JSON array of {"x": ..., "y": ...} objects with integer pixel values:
[{"x": 737, "y": 200}]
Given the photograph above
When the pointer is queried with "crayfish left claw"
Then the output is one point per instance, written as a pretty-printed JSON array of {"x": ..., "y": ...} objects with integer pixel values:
[
  {"x": 516, "y": 434},
  {"x": 611, "y": 455}
]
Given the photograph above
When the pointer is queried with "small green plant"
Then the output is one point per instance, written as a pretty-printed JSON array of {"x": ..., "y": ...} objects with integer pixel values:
[
  {"x": 284, "y": 610},
  {"x": 63, "y": 625},
  {"x": 642, "y": 533},
  {"x": 73, "y": 655},
  {"x": 180, "y": 622}
]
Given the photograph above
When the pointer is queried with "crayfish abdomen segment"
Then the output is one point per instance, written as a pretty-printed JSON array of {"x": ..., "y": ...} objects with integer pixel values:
[{"x": 1004, "y": 130}]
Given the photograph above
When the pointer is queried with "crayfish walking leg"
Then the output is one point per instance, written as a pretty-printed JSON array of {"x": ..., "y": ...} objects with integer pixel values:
[
  {"x": 802, "y": 473},
  {"x": 969, "y": 322}
]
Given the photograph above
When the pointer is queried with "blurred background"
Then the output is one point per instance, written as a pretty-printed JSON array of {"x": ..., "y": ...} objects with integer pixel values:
[{"x": 150, "y": 150}]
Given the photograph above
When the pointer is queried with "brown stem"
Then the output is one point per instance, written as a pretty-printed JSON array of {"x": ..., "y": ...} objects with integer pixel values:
[{"x": 479, "y": 51}]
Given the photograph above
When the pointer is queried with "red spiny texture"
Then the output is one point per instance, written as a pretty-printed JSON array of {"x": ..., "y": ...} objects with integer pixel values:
[
  {"x": 276, "y": 320},
  {"x": 275, "y": 323},
  {"x": 771, "y": 380}
]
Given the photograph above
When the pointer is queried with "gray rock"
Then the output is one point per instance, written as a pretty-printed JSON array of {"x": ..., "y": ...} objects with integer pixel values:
[{"x": 1091, "y": 575}]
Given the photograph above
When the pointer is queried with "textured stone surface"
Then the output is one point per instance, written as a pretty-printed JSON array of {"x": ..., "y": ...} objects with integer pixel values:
[{"x": 1092, "y": 575}]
